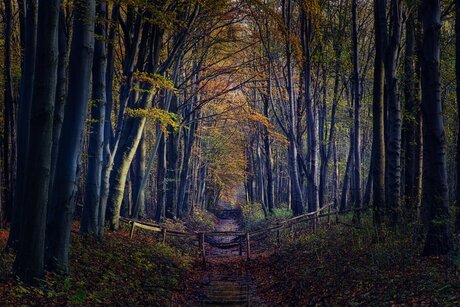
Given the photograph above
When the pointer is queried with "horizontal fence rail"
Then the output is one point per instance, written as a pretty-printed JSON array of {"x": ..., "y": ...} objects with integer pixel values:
[{"x": 241, "y": 238}]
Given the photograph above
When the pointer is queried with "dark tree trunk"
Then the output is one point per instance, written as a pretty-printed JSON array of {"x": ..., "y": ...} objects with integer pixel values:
[
  {"x": 457, "y": 74},
  {"x": 67, "y": 167},
  {"x": 29, "y": 263},
  {"x": 139, "y": 173},
  {"x": 412, "y": 122},
  {"x": 378, "y": 131},
  {"x": 435, "y": 199},
  {"x": 161, "y": 171},
  {"x": 90, "y": 215},
  {"x": 25, "y": 103},
  {"x": 8, "y": 118},
  {"x": 356, "y": 189},
  {"x": 394, "y": 115},
  {"x": 296, "y": 189},
  {"x": 312, "y": 133},
  {"x": 268, "y": 156},
  {"x": 346, "y": 176},
  {"x": 171, "y": 165}
]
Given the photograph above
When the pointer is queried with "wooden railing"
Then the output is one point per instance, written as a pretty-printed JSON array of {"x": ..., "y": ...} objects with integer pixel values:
[{"x": 244, "y": 237}]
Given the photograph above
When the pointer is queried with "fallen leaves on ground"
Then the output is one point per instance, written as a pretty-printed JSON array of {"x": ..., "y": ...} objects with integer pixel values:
[{"x": 114, "y": 271}]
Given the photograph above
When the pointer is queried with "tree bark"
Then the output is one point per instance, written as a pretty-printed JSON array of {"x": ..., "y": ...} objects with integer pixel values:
[
  {"x": 378, "y": 131},
  {"x": 457, "y": 74},
  {"x": 90, "y": 218},
  {"x": 394, "y": 116},
  {"x": 67, "y": 167},
  {"x": 435, "y": 199},
  {"x": 29, "y": 263},
  {"x": 24, "y": 109},
  {"x": 357, "y": 197}
]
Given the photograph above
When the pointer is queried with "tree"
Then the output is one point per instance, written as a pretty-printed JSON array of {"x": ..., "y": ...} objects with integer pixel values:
[
  {"x": 378, "y": 152},
  {"x": 90, "y": 215},
  {"x": 457, "y": 73},
  {"x": 63, "y": 204},
  {"x": 24, "y": 107},
  {"x": 357, "y": 197},
  {"x": 394, "y": 114},
  {"x": 29, "y": 263},
  {"x": 435, "y": 199}
]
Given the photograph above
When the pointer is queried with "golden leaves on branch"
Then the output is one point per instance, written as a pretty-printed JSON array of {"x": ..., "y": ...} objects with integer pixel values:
[{"x": 164, "y": 118}]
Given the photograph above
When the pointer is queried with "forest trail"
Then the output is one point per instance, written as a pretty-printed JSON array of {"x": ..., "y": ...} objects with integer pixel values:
[{"x": 226, "y": 281}]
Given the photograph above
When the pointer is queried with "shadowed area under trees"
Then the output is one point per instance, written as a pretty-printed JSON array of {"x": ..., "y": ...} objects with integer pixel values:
[{"x": 213, "y": 152}]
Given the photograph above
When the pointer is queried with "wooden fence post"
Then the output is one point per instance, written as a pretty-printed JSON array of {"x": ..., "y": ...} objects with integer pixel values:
[
  {"x": 163, "y": 235},
  {"x": 202, "y": 249},
  {"x": 248, "y": 246},
  {"x": 278, "y": 239},
  {"x": 131, "y": 232},
  {"x": 329, "y": 216}
]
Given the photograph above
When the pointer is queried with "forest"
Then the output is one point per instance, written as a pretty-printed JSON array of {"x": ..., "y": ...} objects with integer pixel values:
[{"x": 230, "y": 152}]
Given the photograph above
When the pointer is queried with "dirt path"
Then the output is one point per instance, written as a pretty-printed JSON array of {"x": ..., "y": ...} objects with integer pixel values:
[{"x": 226, "y": 281}]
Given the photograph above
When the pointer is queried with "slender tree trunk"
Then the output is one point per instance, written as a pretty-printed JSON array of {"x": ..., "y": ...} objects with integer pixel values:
[
  {"x": 378, "y": 131},
  {"x": 25, "y": 103},
  {"x": 412, "y": 121},
  {"x": 67, "y": 167},
  {"x": 296, "y": 189},
  {"x": 8, "y": 116},
  {"x": 90, "y": 215},
  {"x": 435, "y": 199},
  {"x": 139, "y": 174},
  {"x": 161, "y": 171},
  {"x": 268, "y": 156},
  {"x": 29, "y": 263},
  {"x": 457, "y": 74},
  {"x": 357, "y": 197},
  {"x": 394, "y": 116},
  {"x": 312, "y": 133}
]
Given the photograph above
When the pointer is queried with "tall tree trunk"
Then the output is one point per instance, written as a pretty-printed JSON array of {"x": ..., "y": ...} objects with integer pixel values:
[
  {"x": 67, "y": 167},
  {"x": 312, "y": 133},
  {"x": 457, "y": 74},
  {"x": 25, "y": 103},
  {"x": 296, "y": 190},
  {"x": 29, "y": 263},
  {"x": 8, "y": 116},
  {"x": 139, "y": 173},
  {"x": 378, "y": 131},
  {"x": 90, "y": 215},
  {"x": 357, "y": 197},
  {"x": 394, "y": 115},
  {"x": 435, "y": 199},
  {"x": 268, "y": 156},
  {"x": 161, "y": 171},
  {"x": 412, "y": 122}
]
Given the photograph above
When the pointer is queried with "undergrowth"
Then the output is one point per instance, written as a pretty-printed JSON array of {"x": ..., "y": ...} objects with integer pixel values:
[
  {"x": 254, "y": 218},
  {"x": 115, "y": 271},
  {"x": 364, "y": 265}
]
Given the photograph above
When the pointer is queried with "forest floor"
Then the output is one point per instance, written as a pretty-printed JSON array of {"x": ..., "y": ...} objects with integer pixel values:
[
  {"x": 349, "y": 266},
  {"x": 340, "y": 265},
  {"x": 114, "y": 271},
  {"x": 225, "y": 278}
]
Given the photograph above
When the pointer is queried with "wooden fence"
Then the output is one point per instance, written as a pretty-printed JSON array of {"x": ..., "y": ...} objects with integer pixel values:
[{"x": 244, "y": 237}]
